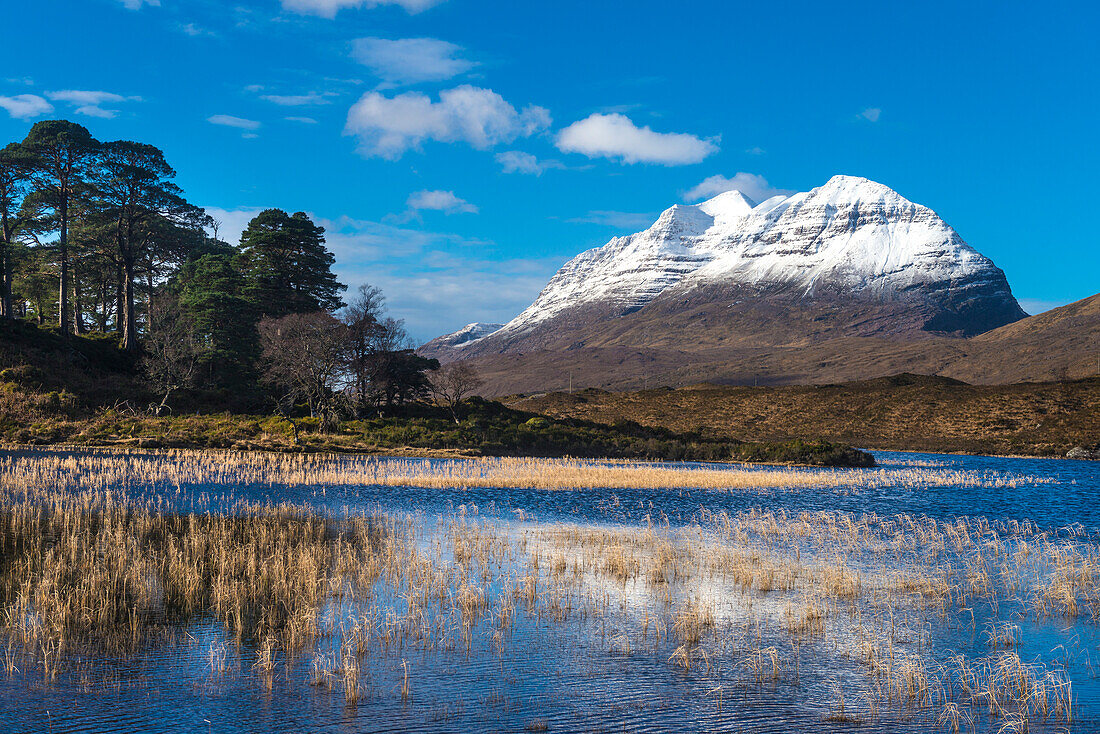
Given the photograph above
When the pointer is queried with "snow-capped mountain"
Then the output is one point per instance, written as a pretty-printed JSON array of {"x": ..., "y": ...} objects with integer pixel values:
[
  {"x": 851, "y": 239},
  {"x": 464, "y": 336}
]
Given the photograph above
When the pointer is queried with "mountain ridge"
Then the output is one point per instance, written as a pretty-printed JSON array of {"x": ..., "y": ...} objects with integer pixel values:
[
  {"x": 850, "y": 236},
  {"x": 847, "y": 281}
]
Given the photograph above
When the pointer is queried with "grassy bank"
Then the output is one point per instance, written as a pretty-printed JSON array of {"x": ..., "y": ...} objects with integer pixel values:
[
  {"x": 905, "y": 412},
  {"x": 82, "y": 391},
  {"x": 485, "y": 429}
]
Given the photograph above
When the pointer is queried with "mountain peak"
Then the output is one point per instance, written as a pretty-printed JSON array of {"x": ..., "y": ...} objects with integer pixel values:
[
  {"x": 728, "y": 204},
  {"x": 843, "y": 189},
  {"x": 683, "y": 220},
  {"x": 466, "y": 335}
]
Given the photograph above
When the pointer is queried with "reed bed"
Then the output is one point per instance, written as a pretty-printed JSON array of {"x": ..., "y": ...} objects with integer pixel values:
[
  {"x": 744, "y": 601},
  {"x": 176, "y": 468}
]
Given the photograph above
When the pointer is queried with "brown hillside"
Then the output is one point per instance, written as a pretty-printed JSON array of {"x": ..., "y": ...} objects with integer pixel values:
[
  {"x": 905, "y": 412},
  {"x": 758, "y": 346}
]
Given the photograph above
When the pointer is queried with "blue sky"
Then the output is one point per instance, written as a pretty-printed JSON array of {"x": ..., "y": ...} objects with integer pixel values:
[{"x": 459, "y": 151}]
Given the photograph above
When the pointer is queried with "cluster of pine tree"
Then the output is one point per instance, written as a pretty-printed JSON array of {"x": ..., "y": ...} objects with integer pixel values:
[{"x": 96, "y": 237}]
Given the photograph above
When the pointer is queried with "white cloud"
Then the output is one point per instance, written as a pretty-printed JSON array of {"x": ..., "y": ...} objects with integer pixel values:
[
  {"x": 231, "y": 121},
  {"x": 295, "y": 100},
  {"x": 231, "y": 222},
  {"x": 441, "y": 201},
  {"x": 195, "y": 31},
  {"x": 26, "y": 106},
  {"x": 89, "y": 102},
  {"x": 329, "y": 8},
  {"x": 871, "y": 114},
  {"x": 136, "y": 4},
  {"x": 303, "y": 120},
  {"x": 516, "y": 161},
  {"x": 410, "y": 60},
  {"x": 752, "y": 185},
  {"x": 447, "y": 293},
  {"x": 389, "y": 126},
  {"x": 618, "y": 220},
  {"x": 435, "y": 281},
  {"x": 756, "y": 150},
  {"x": 353, "y": 239},
  {"x": 84, "y": 97},
  {"x": 615, "y": 136},
  {"x": 93, "y": 111}
]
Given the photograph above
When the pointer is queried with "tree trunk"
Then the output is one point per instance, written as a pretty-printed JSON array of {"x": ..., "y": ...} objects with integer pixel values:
[
  {"x": 63, "y": 266},
  {"x": 149, "y": 298},
  {"x": 5, "y": 283},
  {"x": 129, "y": 335},
  {"x": 78, "y": 305},
  {"x": 120, "y": 302},
  {"x": 102, "y": 316}
]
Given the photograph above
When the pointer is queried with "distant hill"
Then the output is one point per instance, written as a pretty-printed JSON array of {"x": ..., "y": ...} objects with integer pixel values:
[
  {"x": 1056, "y": 345},
  {"x": 905, "y": 412}
]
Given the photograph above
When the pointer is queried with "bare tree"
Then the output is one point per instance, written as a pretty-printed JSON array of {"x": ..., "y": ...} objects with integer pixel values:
[
  {"x": 170, "y": 359},
  {"x": 303, "y": 359},
  {"x": 365, "y": 331},
  {"x": 452, "y": 383}
]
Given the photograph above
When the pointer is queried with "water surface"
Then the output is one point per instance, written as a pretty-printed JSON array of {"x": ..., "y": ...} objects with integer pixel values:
[{"x": 596, "y": 671}]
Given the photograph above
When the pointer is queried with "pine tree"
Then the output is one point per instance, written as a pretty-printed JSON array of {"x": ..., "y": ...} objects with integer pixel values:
[
  {"x": 60, "y": 157},
  {"x": 288, "y": 269},
  {"x": 211, "y": 293},
  {"x": 135, "y": 191}
]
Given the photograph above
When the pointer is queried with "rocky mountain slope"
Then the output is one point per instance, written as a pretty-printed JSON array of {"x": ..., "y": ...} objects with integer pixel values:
[{"x": 851, "y": 239}]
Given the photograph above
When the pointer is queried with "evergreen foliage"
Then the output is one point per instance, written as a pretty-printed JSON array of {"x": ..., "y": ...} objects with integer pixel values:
[{"x": 287, "y": 266}]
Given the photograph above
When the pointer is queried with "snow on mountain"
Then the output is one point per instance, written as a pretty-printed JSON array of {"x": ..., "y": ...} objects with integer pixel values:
[
  {"x": 463, "y": 337},
  {"x": 851, "y": 235}
]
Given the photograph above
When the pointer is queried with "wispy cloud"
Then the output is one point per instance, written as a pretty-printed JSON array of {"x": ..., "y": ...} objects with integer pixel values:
[
  {"x": 89, "y": 102},
  {"x": 619, "y": 220},
  {"x": 440, "y": 201},
  {"x": 329, "y": 8},
  {"x": 389, "y": 126},
  {"x": 303, "y": 120},
  {"x": 871, "y": 114},
  {"x": 446, "y": 293},
  {"x": 616, "y": 137},
  {"x": 232, "y": 222},
  {"x": 410, "y": 60},
  {"x": 516, "y": 161},
  {"x": 136, "y": 4},
  {"x": 195, "y": 31},
  {"x": 296, "y": 100},
  {"x": 752, "y": 185},
  {"x": 230, "y": 121},
  {"x": 26, "y": 106}
]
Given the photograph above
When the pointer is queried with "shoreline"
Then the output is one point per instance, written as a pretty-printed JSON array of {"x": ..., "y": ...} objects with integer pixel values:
[{"x": 411, "y": 452}]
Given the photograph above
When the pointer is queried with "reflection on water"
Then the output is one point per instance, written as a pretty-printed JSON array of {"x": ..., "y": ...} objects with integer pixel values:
[{"x": 649, "y": 610}]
